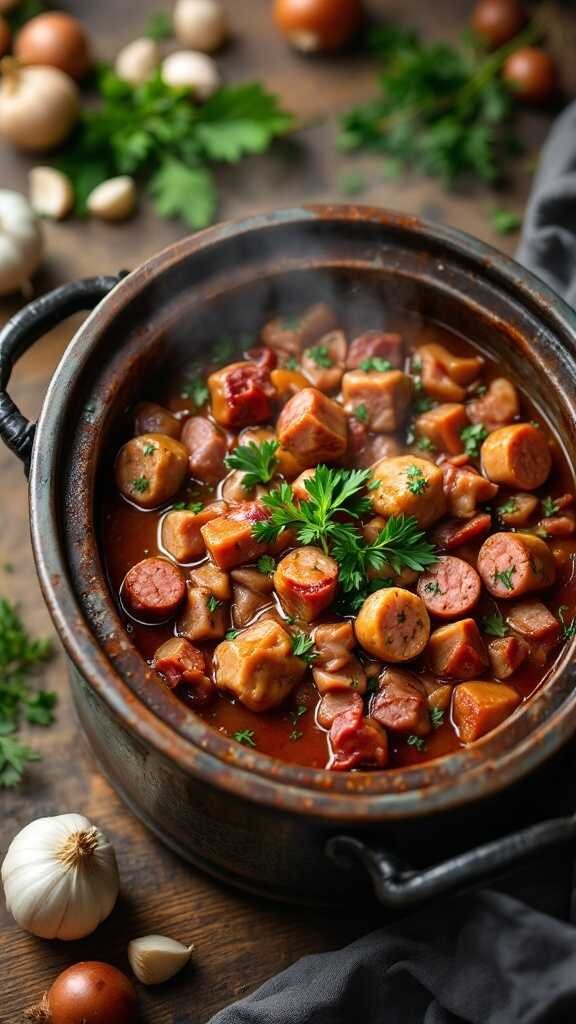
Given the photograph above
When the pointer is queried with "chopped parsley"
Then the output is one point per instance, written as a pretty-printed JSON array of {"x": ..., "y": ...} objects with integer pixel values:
[
  {"x": 303, "y": 647},
  {"x": 508, "y": 508},
  {"x": 320, "y": 355},
  {"x": 231, "y": 634},
  {"x": 266, "y": 565},
  {"x": 504, "y": 222},
  {"x": 141, "y": 484},
  {"x": 291, "y": 363},
  {"x": 568, "y": 628},
  {"x": 417, "y": 482},
  {"x": 258, "y": 462},
  {"x": 423, "y": 404},
  {"x": 213, "y": 604},
  {"x": 295, "y": 735},
  {"x": 149, "y": 448},
  {"x": 188, "y": 506},
  {"x": 375, "y": 363},
  {"x": 425, "y": 444},
  {"x": 494, "y": 624},
  {"x": 295, "y": 715},
  {"x": 549, "y": 506},
  {"x": 196, "y": 389},
  {"x": 505, "y": 577},
  {"x": 416, "y": 741},
  {"x": 245, "y": 736},
  {"x": 432, "y": 587},
  {"x": 361, "y": 413},
  {"x": 473, "y": 436},
  {"x": 437, "y": 717}
]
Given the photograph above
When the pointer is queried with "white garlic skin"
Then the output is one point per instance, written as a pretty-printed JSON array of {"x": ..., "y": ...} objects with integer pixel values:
[
  {"x": 190, "y": 70},
  {"x": 114, "y": 199},
  {"x": 21, "y": 243},
  {"x": 200, "y": 24},
  {"x": 137, "y": 61},
  {"x": 156, "y": 958},
  {"x": 51, "y": 192},
  {"x": 39, "y": 106},
  {"x": 55, "y": 898}
]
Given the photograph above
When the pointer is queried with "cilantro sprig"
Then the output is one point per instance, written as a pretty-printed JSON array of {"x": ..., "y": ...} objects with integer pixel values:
[{"x": 258, "y": 462}]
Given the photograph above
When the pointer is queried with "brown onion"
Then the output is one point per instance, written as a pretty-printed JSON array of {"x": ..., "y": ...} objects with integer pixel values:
[
  {"x": 5, "y": 36},
  {"x": 531, "y": 74},
  {"x": 314, "y": 26},
  {"x": 498, "y": 21},
  {"x": 57, "y": 40},
  {"x": 88, "y": 993}
]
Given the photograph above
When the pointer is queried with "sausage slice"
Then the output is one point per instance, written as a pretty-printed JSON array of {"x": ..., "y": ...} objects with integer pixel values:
[
  {"x": 306, "y": 580},
  {"x": 517, "y": 455},
  {"x": 393, "y": 624},
  {"x": 206, "y": 445},
  {"x": 513, "y": 564},
  {"x": 357, "y": 741},
  {"x": 334, "y": 704},
  {"x": 150, "y": 469},
  {"x": 450, "y": 589},
  {"x": 150, "y": 418},
  {"x": 182, "y": 664},
  {"x": 153, "y": 589},
  {"x": 455, "y": 532}
]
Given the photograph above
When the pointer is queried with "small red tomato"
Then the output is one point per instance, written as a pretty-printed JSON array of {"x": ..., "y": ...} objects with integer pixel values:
[
  {"x": 92, "y": 993},
  {"x": 316, "y": 26},
  {"x": 532, "y": 74},
  {"x": 498, "y": 21},
  {"x": 56, "y": 39}
]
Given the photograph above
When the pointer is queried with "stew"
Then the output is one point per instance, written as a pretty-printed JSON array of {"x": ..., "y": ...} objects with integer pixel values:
[{"x": 344, "y": 552}]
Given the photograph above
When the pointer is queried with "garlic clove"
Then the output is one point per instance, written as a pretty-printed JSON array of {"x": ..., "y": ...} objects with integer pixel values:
[
  {"x": 114, "y": 199},
  {"x": 187, "y": 69},
  {"x": 51, "y": 192},
  {"x": 137, "y": 61},
  {"x": 156, "y": 958},
  {"x": 200, "y": 24}
]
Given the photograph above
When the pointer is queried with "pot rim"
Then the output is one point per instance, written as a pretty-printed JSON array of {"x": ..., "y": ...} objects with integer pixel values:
[{"x": 467, "y": 775}]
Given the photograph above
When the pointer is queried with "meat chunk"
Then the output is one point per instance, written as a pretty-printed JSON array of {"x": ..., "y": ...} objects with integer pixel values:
[
  {"x": 376, "y": 345},
  {"x": 506, "y": 654},
  {"x": 383, "y": 398},
  {"x": 180, "y": 532},
  {"x": 350, "y": 676},
  {"x": 323, "y": 363},
  {"x": 150, "y": 418},
  {"x": 517, "y": 510},
  {"x": 439, "y": 696},
  {"x": 357, "y": 741},
  {"x": 517, "y": 455},
  {"x": 444, "y": 375},
  {"x": 465, "y": 489},
  {"x": 336, "y": 703},
  {"x": 306, "y": 581},
  {"x": 290, "y": 334},
  {"x": 182, "y": 664},
  {"x": 151, "y": 469},
  {"x": 393, "y": 624},
  {"x": 313, "y": 427},
  {"x": 513, "y": 564},
  {"x": 456, "y": 532},
  {"x": 533, "y": 620},
  {"x": 206, "y": 447},
  {"x": 258, "y": 666},
  {"x": 409, "y": 486},
  {"x": 203, "y": 616},
  {"x": 153, "y": 590},
  {"x": 288, "y": 382},
  {"x": 401, "y": 704},
  {"x": 213, "y": 579},
  {"x": 479, "y": 707},
  {"x": 457, "y": 651},
  {"x": 262, "y": 355},
  {"x": 498, "y": 407},
  {"x": 252, "y": 591},
  {"x": 241, "y": 394},
  {"x": 254, "y": 580},
  {"x": 450, "y": 588},
  {"x": 229, "y": 538},
  {"x": 334, "y": 643},
  {"x": 443, "y": 426},
  {"x": 365, "y": 449}
]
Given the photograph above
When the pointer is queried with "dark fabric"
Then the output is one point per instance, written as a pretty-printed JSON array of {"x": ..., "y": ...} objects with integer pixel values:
[{"x": 492, "y": 956}]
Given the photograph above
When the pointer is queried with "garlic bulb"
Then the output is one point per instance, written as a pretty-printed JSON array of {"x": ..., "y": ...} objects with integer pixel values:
[
  {"x": 200, "y": 24},
  {"x": 114, "y": 199},
  {"x": 51, "y": 192},
  {"x": 21, "y": 243},
  {"x": 60, "y": 877},
  {"x": 136, "y": 61},
  {"x": 187, "y": 69},
  {"x": 156, "y": 958},
  {"x": 38, "y": 105}
]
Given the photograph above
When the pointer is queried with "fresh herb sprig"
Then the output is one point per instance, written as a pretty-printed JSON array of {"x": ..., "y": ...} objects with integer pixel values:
[
  {"x": 472, "y": 438},
  {"x": 258, "y": 462},
  {"x": 303, "y": 647},
  {"x": 153, "y": 131},
  {"x": 494, "y": 624},
  {"x": 568, "y": 628}
]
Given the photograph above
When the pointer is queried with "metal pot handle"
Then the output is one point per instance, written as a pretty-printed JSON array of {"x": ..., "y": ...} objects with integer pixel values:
[
  {"x": 398, "y": 886},
  {"x": 26, "y": 327}
]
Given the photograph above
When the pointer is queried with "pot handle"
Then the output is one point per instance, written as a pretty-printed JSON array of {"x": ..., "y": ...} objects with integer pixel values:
[
  {"x": 26, "y": 327},
  {"x": 398, "y": 886}
]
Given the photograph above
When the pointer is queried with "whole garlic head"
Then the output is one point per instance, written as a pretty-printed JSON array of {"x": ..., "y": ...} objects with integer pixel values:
[
  {"x": 60, "y": 877},
  {"x": 156, "y": 958},
  {"x": 200, "y": 24},
  {"x": 187, "y": 69},
  {"x": 21, "y": 244},
  {"x": 137, "y": 61}
]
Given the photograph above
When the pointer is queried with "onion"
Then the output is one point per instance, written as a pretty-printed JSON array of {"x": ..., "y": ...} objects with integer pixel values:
[
  {"x": 90, "y": 992},
  {"x": 38, "y": 106},
  {"x": 200, "y": 24},
  {"x": 5, "y": 36},
  {"x": 314, "y": 26},
  {"x": 57, "y": 40}
]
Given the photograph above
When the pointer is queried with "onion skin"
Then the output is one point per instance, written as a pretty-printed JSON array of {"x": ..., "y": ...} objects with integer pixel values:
[
  {"x": 318, "y": 26},
  {"x": 57, "y": 40},
  {"x": 531, "y": 74},
  {"x": 38, "y": 106},
  {"x": 92, "y": 992},
  {"x": 498, "y": 21}
]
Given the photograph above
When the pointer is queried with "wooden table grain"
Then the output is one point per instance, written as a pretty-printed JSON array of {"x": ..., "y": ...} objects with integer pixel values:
[{"x": 240, "y": 941}]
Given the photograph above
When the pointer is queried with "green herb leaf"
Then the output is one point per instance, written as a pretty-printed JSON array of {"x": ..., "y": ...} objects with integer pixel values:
[
  {"x": 507, "y": 508},
  {"x": 159, "y": 26},
  {"x": 401, "y": 544},
  {"x": 494, "y": 624},
  {"x": 504, "y": 222},
  {"x": 505, "y": 577},
  {"x": 361, "y": 413},
  {"x": 245, "y": 736},
  {"x": 417, "y": 482},
  {"x": 239, "y": 120},
  {"x": 141, "y": 484},
  {"x": 291, "y": 363},
  {"x": 258, "y": 462},
  {"x": 213, "y": 604},
  {"x": 568, "y": 628},
  {"x": 266, "y": 565},
  {"x": 14, "y": 756},
  {"x": 436, "y": 717},
  {"x": 231, "y": 634},
  {"x": 416, "y": 741},
  {"x": 295, "y": 735},
  {"x": 196, "y": 389},
  {"x": 297, "y": 714},
  {"x": 319, "y": 354},
  {"x": 149, "y": 448},
  {"x": 375, "y": 363},
  {"x": 549, "y": 506},
  {"x": 39, "y": 708},
  {"x": 303, "y": 647},
  {"x": 186, "y": 192},
  {"x": 425, "y": 444},
  {"x": 473, "y": 436}
]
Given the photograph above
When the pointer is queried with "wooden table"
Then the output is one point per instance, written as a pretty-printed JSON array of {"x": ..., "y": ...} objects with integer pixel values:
[{"x": 240, "y": 941}]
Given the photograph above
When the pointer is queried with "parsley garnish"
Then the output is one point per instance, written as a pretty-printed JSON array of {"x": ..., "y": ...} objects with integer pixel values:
[
  {"x": 196, "y": 389},
  {"x": 295, "y": 735},
  {"x": 295, "y": 715},
  {"x": 508, "y": 508},
  {"x": 149, "y": 448},
  {"x": 222, "y": 350},
  {"x": 352, "y": 184},
  {"x": 422, "y": 404},
  {"x": 549, "y": 506},
  {"x": 245, "y": 736},
  {"x": 303, "y": 647},
  {"x": 361, "y": 413},
  {"x": 213, "y": 604},
  {"x": 473, "y": 436},
  {"x": 258, "y": 462},
  {"x": 141, "y": 484},
  {"x": 432, "y": 587},
  {"x": 291, "y": 363},
  {"x": 231, "y": 634},
  {"x": 320, "y": 355},
  {"x": 494, "y": 624},
  {"x": 159, "y": 26},
  {"x": 188, "y": 506},
  {"x": 505, "y": 577},
  {"x": 504, "y": 222},
  {"x": 425, "y": 444},
  {"x": 568, "y": 628},
  {"x": 416, "y": 741},
  {"x": 266, "y": 565},
  {"x": 375, "y": 363},
  {"x": 436, "y": 717},
  {"x": 417, "y": 482}
]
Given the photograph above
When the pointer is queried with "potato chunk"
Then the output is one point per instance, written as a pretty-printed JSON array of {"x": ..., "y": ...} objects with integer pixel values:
[
  {"x": 323, "y": 363},
  {"x": 180, "y": 532},
  {"x": 203, "y": 617},
  {"x": 150, "y": 469},
  {"x": 385, "y": 397},
  {"x": 409, "y": 486},
  {"x": 229, "y": 538},
  {"x": 258, "y": 666},
  {"x": 313, "y": 427},
  {"x": 443, "y": 426},
  {"x": 479, "y": 707}
]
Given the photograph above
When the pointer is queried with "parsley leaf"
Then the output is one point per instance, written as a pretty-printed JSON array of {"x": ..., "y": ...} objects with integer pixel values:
[
  {"x": 188, "y": 506},
  {"x": 401, "y": 544},
  {"x": 505, "y": 577},
  {"x": 417, "y": 482},
  {"x": 14, "y": 756},
  {"x": 186, "y": 192},
  {"x": 319, "y": 354},
  {"x": 303, "y": 647},
  {"x": 258, "y": 462},
  {"x": 213, "y": 604},
  {"x": 473, "y": 436},
  {"x": 568, "y": 628},
  {"x": 549, "y": 506},
  {"x": 375, "y": 363},
  {"x": 159, "y": 26},
  {"x": 196, "y": 389},
  {"x": 416, "y": 741},
  {"x": 238, "y": 120},
  {"x": 507, "y": 508},
  {"x": 505, "y": 222},
  {"x": 291, "y": 363},
  {"x": 245, "y": 736},
  {"x": 494, "y": 624},
  {"x": 437, "y": 717},
  {"x": 425, "y": 444},
  {"x": 266, "y": 565},
  {"x": 231, "y": 634},
  {"x": 361, "y": 413},
  {"x": 140, "y": 484}
]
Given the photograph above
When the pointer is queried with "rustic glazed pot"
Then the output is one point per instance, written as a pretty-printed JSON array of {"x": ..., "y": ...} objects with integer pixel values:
[{"x": 279, "y": 829}]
